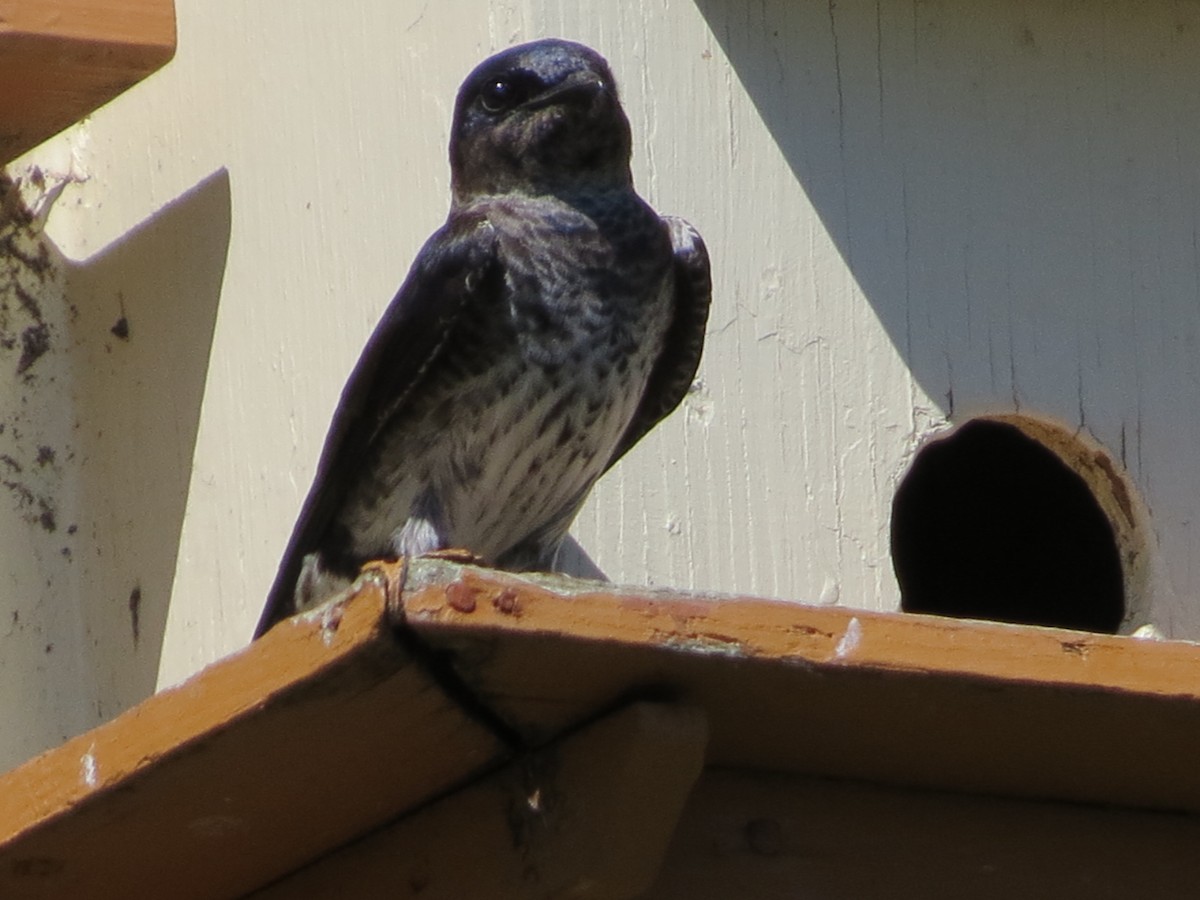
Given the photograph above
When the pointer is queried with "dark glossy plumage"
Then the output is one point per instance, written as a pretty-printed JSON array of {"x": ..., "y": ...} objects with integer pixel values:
[{"x": 542, "y": 331}]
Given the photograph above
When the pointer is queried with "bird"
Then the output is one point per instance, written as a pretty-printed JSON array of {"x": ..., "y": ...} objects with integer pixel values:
[{"x": 541, "y": 332}]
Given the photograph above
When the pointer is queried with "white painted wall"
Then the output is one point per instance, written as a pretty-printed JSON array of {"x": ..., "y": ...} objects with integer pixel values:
[{"x": 914, "y": 209}]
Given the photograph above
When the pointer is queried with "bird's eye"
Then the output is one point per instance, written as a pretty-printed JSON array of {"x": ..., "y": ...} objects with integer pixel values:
[{"x": 498, "y": 95}]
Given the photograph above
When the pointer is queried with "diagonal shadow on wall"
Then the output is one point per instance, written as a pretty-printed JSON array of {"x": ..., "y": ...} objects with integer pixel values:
[
  {"x": 1012, "y": 187},
  {"x": 145, "y": 311}
]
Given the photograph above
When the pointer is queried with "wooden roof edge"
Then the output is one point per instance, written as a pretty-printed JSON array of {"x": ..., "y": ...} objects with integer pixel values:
[
  {"x": 60, "y": 60},
  {"x": 590, "y": 816},
  {"x": 811, "y": 689},
  {"x": 210, "y": 766},
  {"x": 443, "y": 597},
  {"x": 163, "y": 725},
  {"x": 889, "y": 698}
]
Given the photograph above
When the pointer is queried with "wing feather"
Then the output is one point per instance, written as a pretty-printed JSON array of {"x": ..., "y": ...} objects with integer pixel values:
[
  {"x": 683, "y": 344},
  {"x": 457, "y": 263}
]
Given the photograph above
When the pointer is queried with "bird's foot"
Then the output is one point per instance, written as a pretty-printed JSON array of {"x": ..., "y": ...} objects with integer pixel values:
[
  {"x": 393, "y": 573},
  {"x": 456, "y": 555}
]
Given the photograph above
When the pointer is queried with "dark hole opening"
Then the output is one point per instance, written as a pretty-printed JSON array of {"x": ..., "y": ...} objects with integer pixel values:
[{"x": 989, "y": 524}]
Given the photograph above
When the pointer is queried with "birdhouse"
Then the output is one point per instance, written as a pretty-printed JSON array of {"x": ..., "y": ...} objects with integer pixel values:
[{"x": 899, "y": 601}]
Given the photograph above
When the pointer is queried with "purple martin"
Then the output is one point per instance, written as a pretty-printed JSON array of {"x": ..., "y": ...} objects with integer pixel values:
[{"x": 541, "y": 332}]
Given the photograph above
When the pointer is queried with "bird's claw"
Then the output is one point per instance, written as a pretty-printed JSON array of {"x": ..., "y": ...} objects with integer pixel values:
[
  {"x": 393, "y": 573},
  {"x": 456, "y": 555}
]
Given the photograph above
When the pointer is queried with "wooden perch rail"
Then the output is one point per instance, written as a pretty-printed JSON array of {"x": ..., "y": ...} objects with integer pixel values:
[
  {"x": 552, "y": 730},
  {"x": 62, "y": 59}
]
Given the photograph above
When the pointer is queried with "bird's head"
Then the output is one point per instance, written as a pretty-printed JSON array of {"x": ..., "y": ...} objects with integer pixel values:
[{"x": 539, "y": 118}]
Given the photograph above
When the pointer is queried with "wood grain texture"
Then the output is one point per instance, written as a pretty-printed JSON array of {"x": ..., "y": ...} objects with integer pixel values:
[
  {"x": 313, "y": 735},
  {"x": 62, "y": 59},
  {"x": 894, "y": 699},
  {"x": 588, "y": 817},
  {"x": 343, "y": 753},
  {"x": 774, "y": 837}
]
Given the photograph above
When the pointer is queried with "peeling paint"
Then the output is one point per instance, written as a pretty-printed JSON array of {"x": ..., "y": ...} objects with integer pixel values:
[
  {"x": 331, "y": 620},
  {"x": 703, "y": 644},
  {"x": 850, "y": 640},
  {"x": 1075, "y": 648},
  {"x": 89, "y": 769}
]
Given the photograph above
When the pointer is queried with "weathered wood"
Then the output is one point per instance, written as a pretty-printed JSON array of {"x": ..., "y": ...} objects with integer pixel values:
[
  {"x": 589, "y": 817},
  {"x": 318, "y": 732},
  {"x": 774, "y": 837},
  {"x": 62, "y": 59},
  {"x": 894, "y": 699},
  {"x": 329, "y": 734}
]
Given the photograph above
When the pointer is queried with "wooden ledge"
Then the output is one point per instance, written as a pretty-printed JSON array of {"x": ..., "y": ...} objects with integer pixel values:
[
  {"x": 343, "y": 728},
  {"x": 588, "y": 818},
  {"x": 62, "y": 59},
  {"x": 888, "y": 698},
  {"x": 322, "y": 730}
]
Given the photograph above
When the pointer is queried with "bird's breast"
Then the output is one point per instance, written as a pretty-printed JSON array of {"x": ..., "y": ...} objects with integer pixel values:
[{"x": 534, "y": 387}]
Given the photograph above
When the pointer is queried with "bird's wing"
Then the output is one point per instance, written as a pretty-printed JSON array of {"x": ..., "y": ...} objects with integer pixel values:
[
  {"x": 673, "y": 371},
  {"x": 457, "y": 263}
]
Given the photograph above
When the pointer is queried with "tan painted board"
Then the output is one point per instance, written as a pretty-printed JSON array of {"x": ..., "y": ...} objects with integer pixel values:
[
  {"x": 588, "y": 817},
  {"x": 313, "y": 735},
  {"x": 891, "y": 698},
  {"x": 62, "y": 59},
  {"x": 328, "y": 728},
  {"x": 771, "y": 837}
]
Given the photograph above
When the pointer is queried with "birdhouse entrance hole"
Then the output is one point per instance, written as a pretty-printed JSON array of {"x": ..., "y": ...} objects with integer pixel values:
[{"x": 990, "y": 523}]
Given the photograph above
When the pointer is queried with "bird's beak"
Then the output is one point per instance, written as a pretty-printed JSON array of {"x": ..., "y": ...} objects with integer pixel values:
[{"x": 582, "y": 86}]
